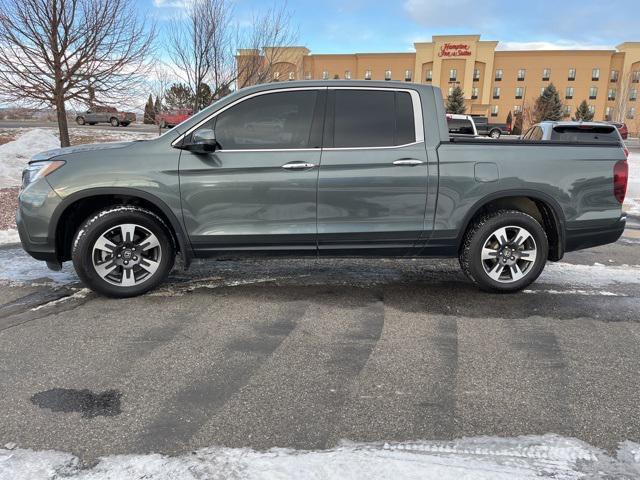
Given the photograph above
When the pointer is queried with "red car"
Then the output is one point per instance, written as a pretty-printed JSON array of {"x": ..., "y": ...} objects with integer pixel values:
[
  {"x": 622, "y": 128},
  {"x": 173, "y": 118}
]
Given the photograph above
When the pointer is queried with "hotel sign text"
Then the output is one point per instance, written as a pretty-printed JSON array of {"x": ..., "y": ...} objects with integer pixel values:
[{"x": 454, "y": 50}]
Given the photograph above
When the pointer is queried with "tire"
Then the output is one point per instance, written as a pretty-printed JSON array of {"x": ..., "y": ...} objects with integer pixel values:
[
  {"x": 114, "y": 122},
  {"x": 507, "y": 265},
  {"x": 125, "y": 124},
  {"x": 92, "y": 123},
  {"x": 140, "y": 238},
  {"x": 495, "y": 133},
  {"x": 80, "y": 120}
]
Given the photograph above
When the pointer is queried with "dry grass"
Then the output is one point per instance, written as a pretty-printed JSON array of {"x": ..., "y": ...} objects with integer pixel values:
[{"x": 8, "y": 207}]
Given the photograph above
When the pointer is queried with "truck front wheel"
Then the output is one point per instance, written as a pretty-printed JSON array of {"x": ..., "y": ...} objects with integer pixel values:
[
  {"x": 123, "y": 251},
  {"x": 504, "y": 251}
]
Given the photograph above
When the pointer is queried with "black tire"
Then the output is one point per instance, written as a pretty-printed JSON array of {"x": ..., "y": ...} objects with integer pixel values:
[
  {"x": 125, "y": 124},
  {"x": 495, "y": 133},
  {"x": 92, "y": 123},
  {"x": 108, "y": 220},
  {"x": 480, "y": 232},
  {"x": 114, "y": 122},
  {"x": 80, "y": 120}
]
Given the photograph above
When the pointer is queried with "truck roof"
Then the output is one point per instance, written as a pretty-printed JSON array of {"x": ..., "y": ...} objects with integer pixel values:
[{"x": 336, "y": 83}]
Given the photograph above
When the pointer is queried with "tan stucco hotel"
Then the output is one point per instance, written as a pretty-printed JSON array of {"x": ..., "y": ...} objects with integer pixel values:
[{"x": 494, "y": 81}]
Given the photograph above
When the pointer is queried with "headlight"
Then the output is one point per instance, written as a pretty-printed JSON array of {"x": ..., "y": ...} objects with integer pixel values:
[{"x": 38, "y": 170}]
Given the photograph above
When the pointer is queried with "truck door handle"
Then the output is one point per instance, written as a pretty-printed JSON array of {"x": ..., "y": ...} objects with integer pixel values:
[
  {"x": 408, "y": 162},
  {"x": 298, "y": 165}
]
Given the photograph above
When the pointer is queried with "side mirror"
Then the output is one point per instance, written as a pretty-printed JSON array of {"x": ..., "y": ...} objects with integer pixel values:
[{"x": 202, "y": 141}]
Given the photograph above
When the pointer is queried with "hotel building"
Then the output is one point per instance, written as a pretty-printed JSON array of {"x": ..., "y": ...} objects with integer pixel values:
[{"x": 494, "y": 81}]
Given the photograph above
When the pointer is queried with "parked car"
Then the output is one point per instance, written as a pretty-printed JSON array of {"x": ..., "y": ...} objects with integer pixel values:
[
  {"x": 461, "y": 124},
  {"x": 105, "y": 115},
  {"x": 493, "y": 130},
  {"x": 622, "y": 128},
  {"x": 173, "y": 118},
  {"x": 375, "y": 174}
]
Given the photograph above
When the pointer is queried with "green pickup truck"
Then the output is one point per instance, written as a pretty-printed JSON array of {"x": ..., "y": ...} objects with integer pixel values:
[{"x": 320, "y": 168}]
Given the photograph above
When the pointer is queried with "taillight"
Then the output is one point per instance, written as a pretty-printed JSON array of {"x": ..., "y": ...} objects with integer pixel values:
[{"x": 620, "y": 177}]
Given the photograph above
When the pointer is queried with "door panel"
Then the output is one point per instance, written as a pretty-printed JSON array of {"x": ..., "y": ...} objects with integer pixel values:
[
  {"x": 373, "y": 177},
  {"x": 258, "y": 190},
  {"x": 367, "y": 202}
]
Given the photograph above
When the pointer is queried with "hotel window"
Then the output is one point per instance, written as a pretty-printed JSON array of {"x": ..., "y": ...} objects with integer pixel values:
[
  {"x": 595, "y": 74},
  {"x": 307, "y": 76},
  {"x": 347, "y": 74},
  {"x": 635, "y": 76},
  {"x": 476, "y": 74},
  {"x": 453, "y": 75},
  {"x": 496, "y": 92},
  {"x": 567, "y": 110},
  {"x": 546, "y": 74},
  {"x": 519, "y": 92},
  {"x": 569, "y": 93},
  {"x": 367, "y": 74},
  {"x": 593, "y": 93},
  {"x": 499, "y": 74},
  {"x": 614, "y": 76},
  {"x": 292, "y": 76},
  {"x": 325, "y": 75},
  {"x": 631, "y": 113},
  {"x": 572, "y": 74},
  {"x": 408, "y": 74},
  {"x": 521, "y": 74},
  {"x": 429, "y": 76},
  {"x": 387, "y": 75},
  {"x": 276, "y": 76},
  {"x": 633, "y": 94},
  {"x": 611, "y": 94},
  {"x": 517, "y": 109},
  {"x": 608, "y": 113},
  {"x": 592, "y": 109},
  {"x": 494, "y": 110},
  {"x": 474, "y": 93}
]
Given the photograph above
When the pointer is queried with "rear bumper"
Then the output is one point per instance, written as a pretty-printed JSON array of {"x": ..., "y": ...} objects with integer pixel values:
[{"x": 578, "y": 239}]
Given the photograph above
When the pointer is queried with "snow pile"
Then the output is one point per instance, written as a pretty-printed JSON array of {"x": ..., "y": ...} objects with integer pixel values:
[
  {"x": 481, "y": 458},
  {"x": 15, "y": 155},
  {"x": 632, "y": 200},
  {"x": 9, "y": 236},
  {"x": 597, "y": 275}
]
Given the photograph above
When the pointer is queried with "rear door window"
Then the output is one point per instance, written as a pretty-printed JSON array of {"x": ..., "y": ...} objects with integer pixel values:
[
  {"x": 372, "y": 118},
  {"x": 585, "y": 133},
  {"x": 460, "y": 126}
]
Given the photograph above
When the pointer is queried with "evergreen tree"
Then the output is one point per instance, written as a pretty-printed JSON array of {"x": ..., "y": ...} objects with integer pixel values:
[
  {"x": 157, "y": 106},
  {"x": 149, "y": 114},
  {"x": 548, "y": 105},
  {"x": 455, "y": 102},
  {"x": 205, "y": 98},
  {"x": 178, "y": 96},
  {"x": 583, "y": 113}
]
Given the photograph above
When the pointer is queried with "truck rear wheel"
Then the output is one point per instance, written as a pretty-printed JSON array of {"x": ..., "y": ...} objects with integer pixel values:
[
  {"x": 80, "y": 120},
  {"x": 495, "y": 133},
  {"x": 114, "y": 122},
  {"x": 504, "y": 251},
  {"x": 123, "y": 251}
]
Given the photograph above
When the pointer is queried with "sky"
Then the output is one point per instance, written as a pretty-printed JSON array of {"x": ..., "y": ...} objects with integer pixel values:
[{"x": 348, "y": 26}]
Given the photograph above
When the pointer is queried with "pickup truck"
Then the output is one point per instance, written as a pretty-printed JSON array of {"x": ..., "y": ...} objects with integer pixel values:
[
  {"x": 339, "y": 168},
  {"x": 109, "y": 115},
  {"x": 493, "y": 130},
  {"x": 173, "y": 118}
]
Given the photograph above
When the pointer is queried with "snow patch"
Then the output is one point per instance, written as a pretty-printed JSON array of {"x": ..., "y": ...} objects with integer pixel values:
[
  {"x": 602, "y": 293},
  {"x": 480, "y": 458},
  {"x": 15, "y": 155},
  {"x": 9, "y": 236},
  {"x": 632, "y": 199},
  {"x": 18, "y": 268},
  {"x": 597, "y": 275}
]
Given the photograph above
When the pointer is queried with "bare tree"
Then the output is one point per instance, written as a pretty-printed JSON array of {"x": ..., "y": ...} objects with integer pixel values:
[
  {"x": 53, "y": 52},
  {"x": 161, "y": 82},
  {"x": 266, "y": 43}
]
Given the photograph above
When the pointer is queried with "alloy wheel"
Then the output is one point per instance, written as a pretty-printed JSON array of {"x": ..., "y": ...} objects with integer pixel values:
[{"x": 508, "y": 254}]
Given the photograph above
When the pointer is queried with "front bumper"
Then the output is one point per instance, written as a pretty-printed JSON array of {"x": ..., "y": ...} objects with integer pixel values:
[{"x": 36, "y": 205}]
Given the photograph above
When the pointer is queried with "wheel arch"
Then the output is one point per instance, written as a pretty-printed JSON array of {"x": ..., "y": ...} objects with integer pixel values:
[
  {"x": 77, "y": 207},
  {"x": 542, "y": 207}
]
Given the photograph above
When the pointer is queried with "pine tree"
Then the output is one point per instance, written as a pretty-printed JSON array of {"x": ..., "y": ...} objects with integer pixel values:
[
  {"x": 583, "y": 113},
  {"x": 548, "y": 105},
  {"x": 178, "y": 96},
  {"x": 149, "y": 114},
  {"x": 157, "y": 106},
  {"x": 455, "y": 102}
]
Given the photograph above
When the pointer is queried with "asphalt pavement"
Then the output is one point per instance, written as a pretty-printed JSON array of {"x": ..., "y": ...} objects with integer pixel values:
[{"x": 306, "y": 353}]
